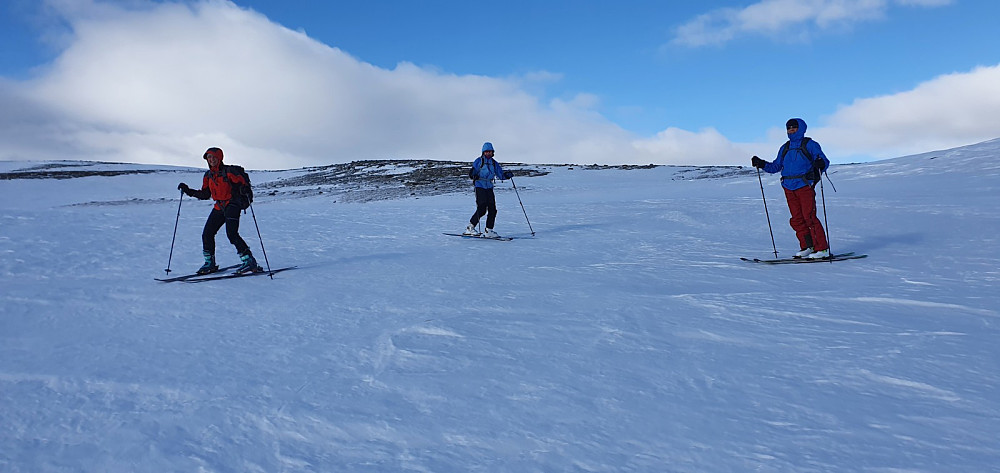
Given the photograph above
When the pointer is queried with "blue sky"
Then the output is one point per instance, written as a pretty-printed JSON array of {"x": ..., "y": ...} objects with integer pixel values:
[{"x": 296, "y": 83}]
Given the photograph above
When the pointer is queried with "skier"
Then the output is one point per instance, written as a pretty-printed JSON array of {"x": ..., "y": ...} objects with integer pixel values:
[
  {"x": 223, "y": 184},
  {"x": 801, "y": 162},
  {"x": 484, "y": 171}
]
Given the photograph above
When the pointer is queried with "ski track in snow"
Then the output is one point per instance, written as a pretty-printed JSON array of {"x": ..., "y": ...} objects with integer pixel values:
[
  {"x": 625, "y": 336},
  {"x": 928, "y": 304}
]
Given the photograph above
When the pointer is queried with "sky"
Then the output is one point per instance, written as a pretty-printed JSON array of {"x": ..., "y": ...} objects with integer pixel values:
[{"x": 281, "y": 84}]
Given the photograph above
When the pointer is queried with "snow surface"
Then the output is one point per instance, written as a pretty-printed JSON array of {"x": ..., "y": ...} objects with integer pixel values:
[{"x": 625, "y": 336}]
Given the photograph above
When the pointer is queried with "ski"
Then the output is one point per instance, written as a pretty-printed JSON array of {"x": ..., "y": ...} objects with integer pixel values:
[
  {"x": 838, "y": 257},
  {"x": 239, "y": 275},
  {"x": 195, "y": 275},
  {"x": 503, "y": 238}
]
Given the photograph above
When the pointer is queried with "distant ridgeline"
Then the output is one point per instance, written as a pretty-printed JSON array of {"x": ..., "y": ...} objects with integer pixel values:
[
  {"x": 357, "y": 181},
  {"x": 59, "y": 171}
]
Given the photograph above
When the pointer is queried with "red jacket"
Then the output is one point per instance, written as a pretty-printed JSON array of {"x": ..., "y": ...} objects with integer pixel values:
[{"x": 218, "y": 185}]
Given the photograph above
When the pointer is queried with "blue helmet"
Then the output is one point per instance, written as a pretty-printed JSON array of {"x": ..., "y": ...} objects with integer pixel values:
[{"x": 487, "y": 146}]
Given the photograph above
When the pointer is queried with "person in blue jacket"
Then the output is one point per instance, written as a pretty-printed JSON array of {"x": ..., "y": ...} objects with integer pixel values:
[
  {"x": 801, "y": 162},
  {"x": 484, "y": 171}
]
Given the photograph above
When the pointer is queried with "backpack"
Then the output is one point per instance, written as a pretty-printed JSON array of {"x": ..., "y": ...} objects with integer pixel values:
[
  {"x": 812, "y": 175},
  {"x": 243, "y": 191},
  {"x": 474, "y": 171}
]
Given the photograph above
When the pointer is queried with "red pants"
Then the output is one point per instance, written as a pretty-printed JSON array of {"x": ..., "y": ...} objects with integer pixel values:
[{"x": 808, "y": 229}]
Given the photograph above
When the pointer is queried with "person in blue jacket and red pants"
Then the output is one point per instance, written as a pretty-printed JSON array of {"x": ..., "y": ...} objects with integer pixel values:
[
  {"x": 801, "y": 162},
  {"x": 484, "y": 171}
]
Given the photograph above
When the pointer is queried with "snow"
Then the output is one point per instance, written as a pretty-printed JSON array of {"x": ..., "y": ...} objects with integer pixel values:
[{"x": 625, "y": 336}]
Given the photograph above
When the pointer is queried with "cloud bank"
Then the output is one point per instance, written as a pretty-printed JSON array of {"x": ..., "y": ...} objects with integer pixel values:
[
  {"x": 161, "y": 82},
  {"x": 948, "y": 111}
]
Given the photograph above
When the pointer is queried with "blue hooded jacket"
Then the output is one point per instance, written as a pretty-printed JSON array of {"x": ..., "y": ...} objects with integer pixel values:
[
  {"x": 795, "y": 165},
  {"x": 484, "y": 171}
]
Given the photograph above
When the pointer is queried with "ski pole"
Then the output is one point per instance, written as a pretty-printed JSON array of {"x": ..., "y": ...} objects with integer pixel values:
[
  {"x": 172, "y": 240},
  {"x": 761, "y": 181},
  {"x": 828, "y": 179},
  {"x": 826, "y": 225},
  {"x": 264, "y": 252},
  {"x": 522, "y": 206}
]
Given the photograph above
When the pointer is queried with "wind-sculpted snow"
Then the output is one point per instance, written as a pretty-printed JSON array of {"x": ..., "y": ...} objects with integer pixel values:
[{"x": 625, "y": 336}]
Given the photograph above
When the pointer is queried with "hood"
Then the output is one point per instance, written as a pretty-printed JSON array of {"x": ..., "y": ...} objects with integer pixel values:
[
  {"x": 801, "y": 131},
  {"x": 217, "y": 152}
]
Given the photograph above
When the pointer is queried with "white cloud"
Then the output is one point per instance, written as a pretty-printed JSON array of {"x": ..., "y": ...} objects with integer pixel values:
[
  {"x": 945, "y": 112},
  {"x": 705, "y": 147},
  {"x": 773, "y": 17},
  {"x": 162, "y": 82}
]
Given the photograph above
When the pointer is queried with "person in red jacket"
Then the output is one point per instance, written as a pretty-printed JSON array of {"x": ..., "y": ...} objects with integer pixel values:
[{"x": 223, "y": 186}]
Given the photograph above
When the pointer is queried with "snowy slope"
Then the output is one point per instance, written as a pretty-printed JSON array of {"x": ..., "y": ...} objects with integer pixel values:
[{"x": 625, "y": 336}]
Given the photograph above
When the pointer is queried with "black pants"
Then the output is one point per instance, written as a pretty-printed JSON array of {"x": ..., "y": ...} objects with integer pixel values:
[
  {"x": 231, "y": 218},
  {"x": 486, "y": 204}
]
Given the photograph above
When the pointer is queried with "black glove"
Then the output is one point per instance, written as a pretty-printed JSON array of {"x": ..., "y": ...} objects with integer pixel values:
[
  {"x": 183, "y": 187},
  {"x": 757, "y": 162},
  {"x": 507, "y": 175},
  {"x": 818, "y": 165}
]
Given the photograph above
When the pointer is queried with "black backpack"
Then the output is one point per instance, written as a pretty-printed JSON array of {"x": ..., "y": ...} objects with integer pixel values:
[
  {"x": 813, "y": 174},
  {"x": 242, "y": 193},
  {"x": 474, "y": 172}
]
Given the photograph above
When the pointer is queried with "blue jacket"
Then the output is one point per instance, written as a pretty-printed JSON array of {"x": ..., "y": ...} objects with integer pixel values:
[
  {"x": 795, "y": 165},
  {"x": 484, "y": 171}
]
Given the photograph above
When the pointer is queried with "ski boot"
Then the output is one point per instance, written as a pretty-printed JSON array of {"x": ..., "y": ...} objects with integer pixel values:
[
  {"x": 822, "y": 254},
  {"x": 489, "y": 233},
  {"x": 249, "y": 264},
  {"x": 804, "y": 252},
  {"x": 471, "y": 230},
  {"x": 209, "y": 266}
]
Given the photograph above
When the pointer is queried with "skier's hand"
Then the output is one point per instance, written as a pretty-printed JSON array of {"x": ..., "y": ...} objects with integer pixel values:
[
  {"x": 507, "y": 175},
  {"x": 183, "y": 187},
  {"x": 818, "y": 165},
  {"x": 757, "y": 162}
]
